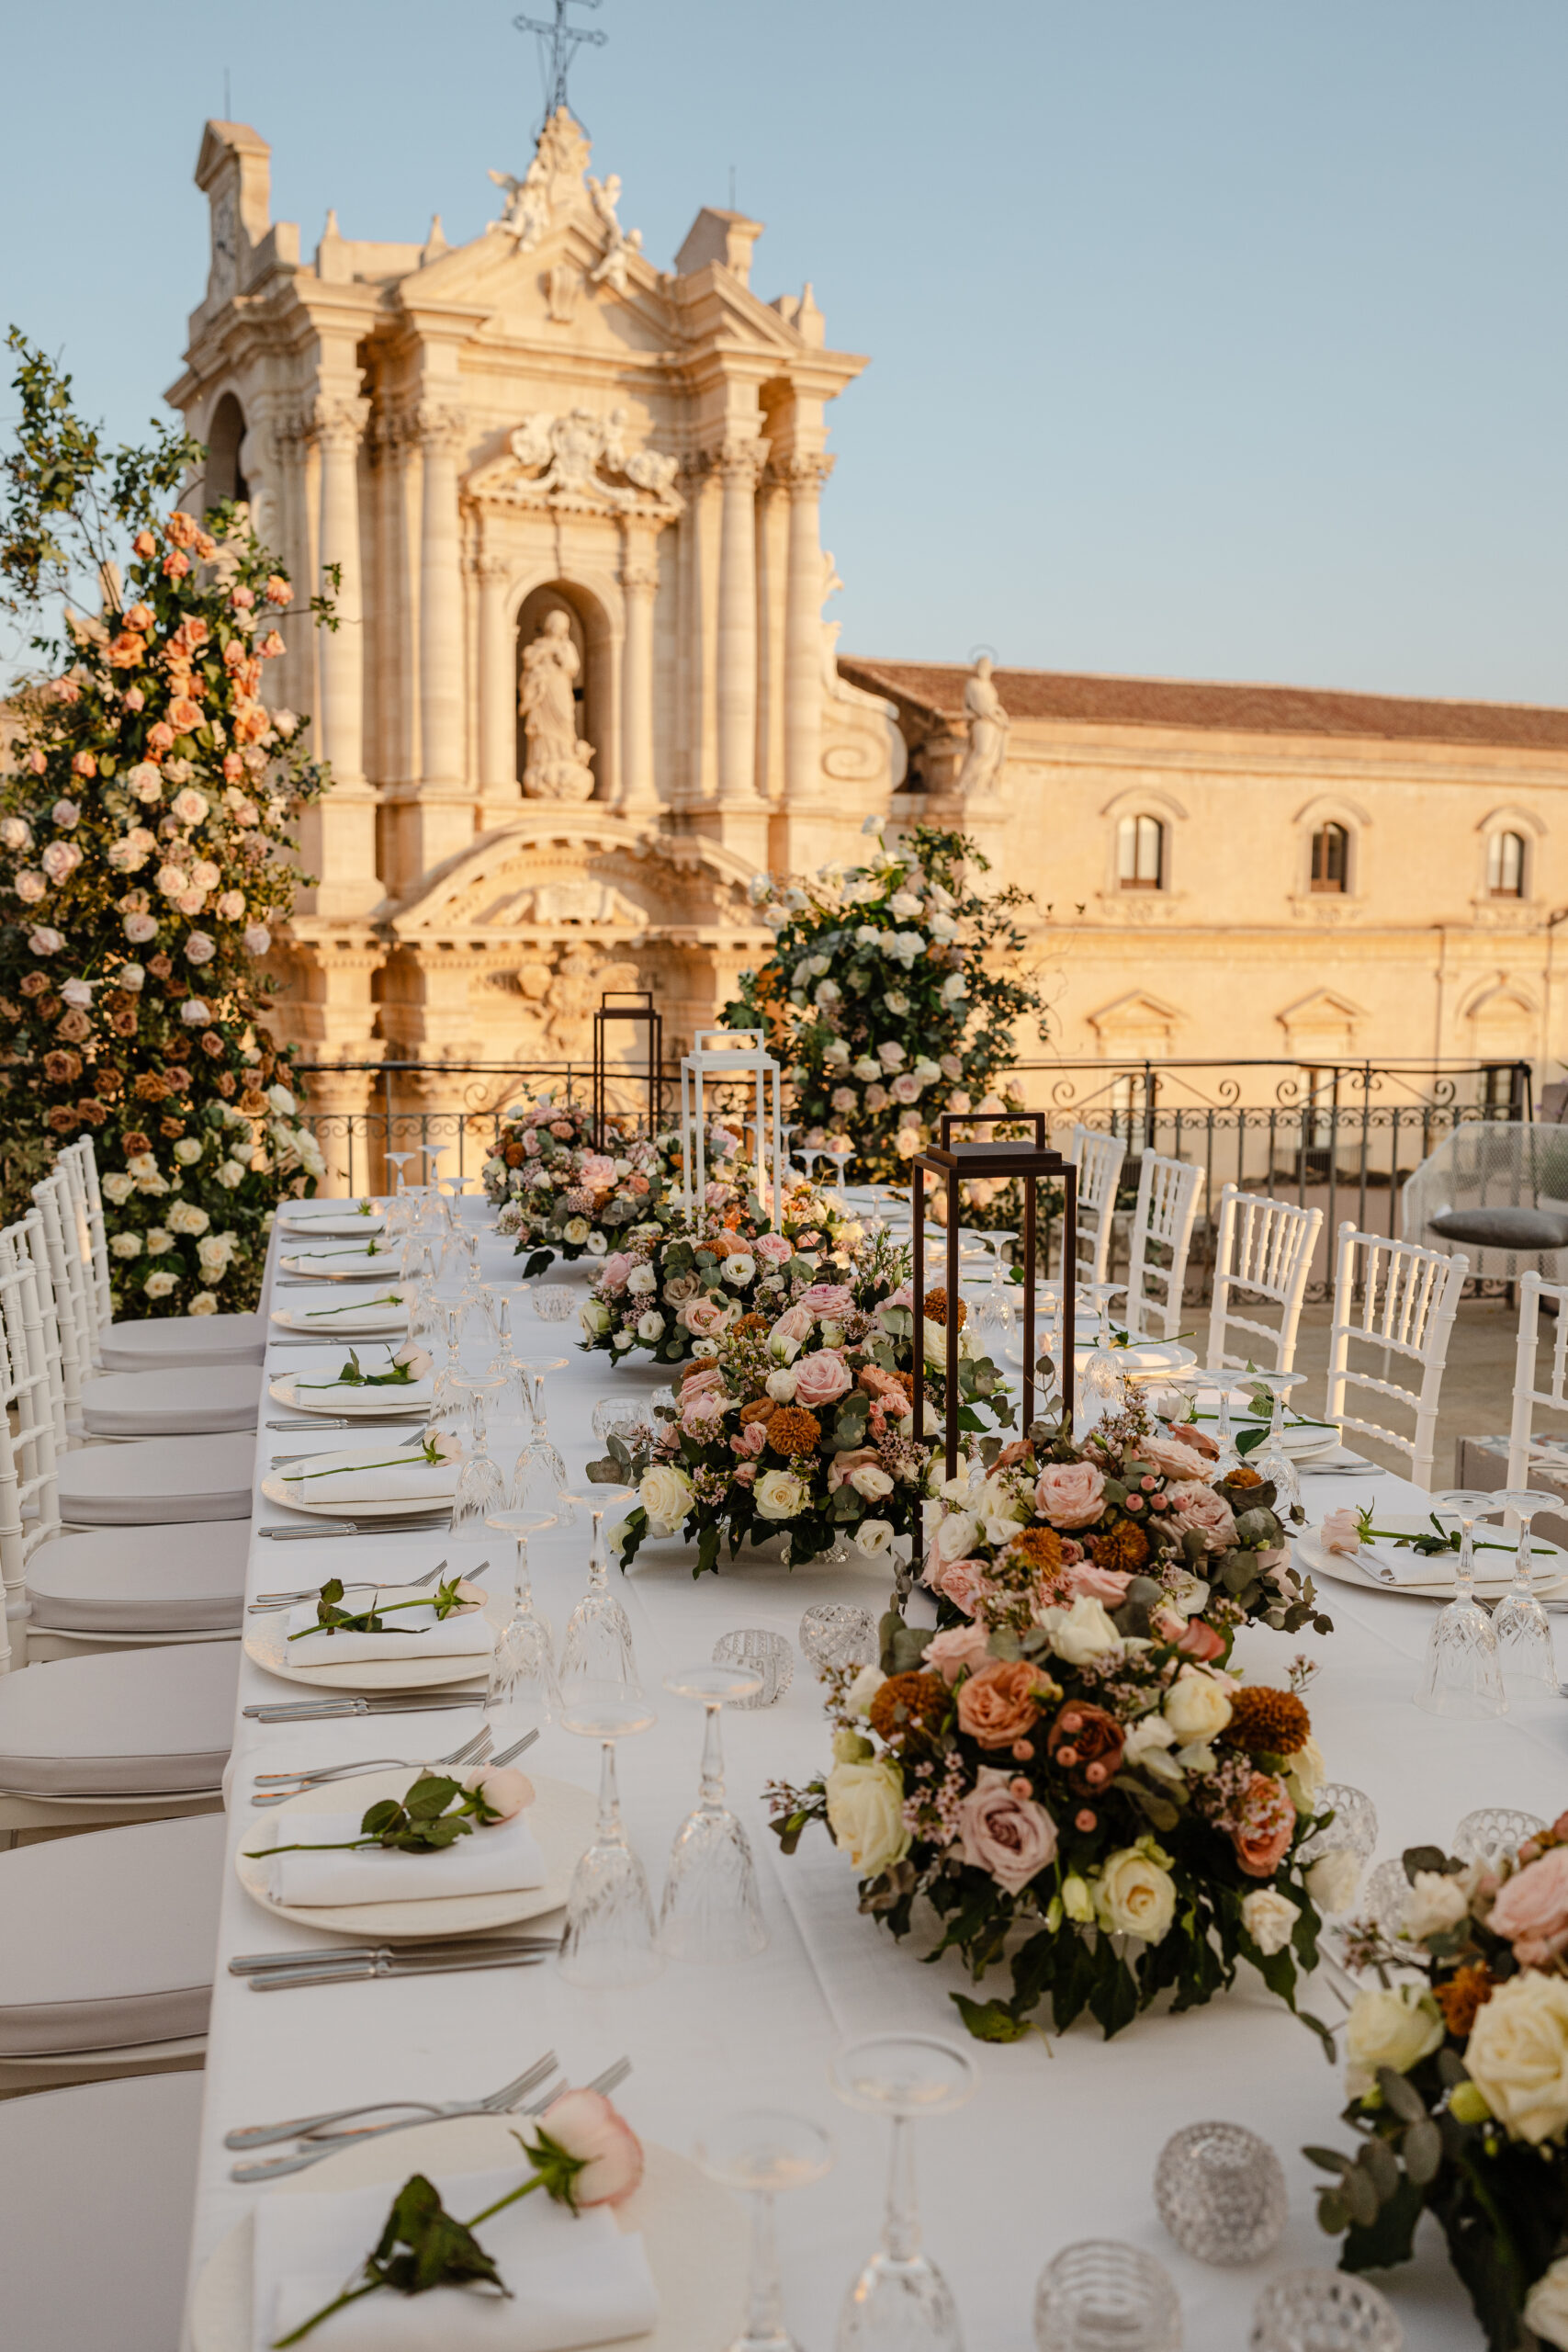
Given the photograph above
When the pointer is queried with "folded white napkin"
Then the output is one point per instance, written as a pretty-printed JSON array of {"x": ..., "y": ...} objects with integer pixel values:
[
  {"x": 394, "y": 1398},
  {"x": 336, "y": 1318},
  {"x": 1405, "y": 1564},
  {"x": 345, "y": 1253},
  {"x": 488, "y": 1861},
  {"x": 575, "y": 2278},
  {"x": 387, "y": 1477},
  {"x": 466, "y": 1633}
]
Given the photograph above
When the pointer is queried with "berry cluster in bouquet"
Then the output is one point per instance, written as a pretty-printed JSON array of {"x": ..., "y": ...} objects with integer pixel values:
[
  {"x": 675, "y": 1292},
  {"x": 1458, "y": 2080},
  {"x": 1095, "y": 1800},
  {"x": 560, "y": 1190}
]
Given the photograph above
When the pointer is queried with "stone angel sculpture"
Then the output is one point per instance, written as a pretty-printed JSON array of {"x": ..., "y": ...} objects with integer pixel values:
[
  {"x": 988, "y": 725},
  {"x": 619, "y": 243},
  {"x": 528, "y": 212}
]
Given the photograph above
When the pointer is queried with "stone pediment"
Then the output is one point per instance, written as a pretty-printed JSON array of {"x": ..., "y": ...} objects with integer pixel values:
[
  {"x": 579, "y": 870},
  {"x": 580, "y": 463}
]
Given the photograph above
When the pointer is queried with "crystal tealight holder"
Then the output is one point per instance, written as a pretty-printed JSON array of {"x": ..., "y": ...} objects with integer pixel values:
[
  {"x": 1326, "y": 2310},
  {"x": 764, "y": 1653},
  {"x": 1100, "y": 2293},
  {"x": 1493, "y": 1830},
  {"x": 1221, "y": 2193},
  {"x": 835, "y": 1633}
]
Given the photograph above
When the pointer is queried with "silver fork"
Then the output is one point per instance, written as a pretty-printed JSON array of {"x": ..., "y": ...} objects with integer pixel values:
[
  {"x": 350, "y": 1584},
  {"x": 326, "y": 2142},
  {"x": 266, "y": 2135},
  {"x": 272, "y": 1788}
]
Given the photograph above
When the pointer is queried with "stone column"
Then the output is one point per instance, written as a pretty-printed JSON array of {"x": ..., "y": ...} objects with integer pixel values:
[
  {"x": 446, "y": 823},
  {"x": 639, "y": 581},
  {"x": 803, "y": 633},
  {"x": 738, "y": 465},
  {"x": 339, "y": 424},
  {"x": 498, "y": 684}
]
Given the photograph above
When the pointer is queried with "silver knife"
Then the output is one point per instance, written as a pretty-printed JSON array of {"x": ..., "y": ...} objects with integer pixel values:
[
  {"x": 261, "y": 1963},
  {"x": 283, "y": 1980},
  {"x": 332, "y": 1527},
  {"x": 354, "y": 1421},
  {"x": 313, "y": 1710}
]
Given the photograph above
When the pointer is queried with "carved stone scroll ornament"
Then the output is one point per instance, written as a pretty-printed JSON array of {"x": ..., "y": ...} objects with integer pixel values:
[
  {"x": 579, "y": 462},
  {"x": 558, "y": 763}
]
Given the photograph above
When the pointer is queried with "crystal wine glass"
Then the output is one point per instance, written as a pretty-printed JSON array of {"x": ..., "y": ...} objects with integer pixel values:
[
  {"x": 1222, "y": 1379},
  {"x": 533, "y": 1370},
  {"x": 711, "y": 1909},
  {"x": 758, "y": 2155},
  {"x": 609, "y": 1938},
  {"x": 1101, "y": 1391},
  {"x": 539, "y": 1475},
  {"x": 521, "y": 1690},
  {"x": 900, "y": 2299},
  {"x": 1519, "y": 1627},
  {"x": 1459, "y": 1675},
  {"x": 480, "y": 1486},
  {"x": 1272, "y": 1460},
  {"x": 597, "y": 1643}
]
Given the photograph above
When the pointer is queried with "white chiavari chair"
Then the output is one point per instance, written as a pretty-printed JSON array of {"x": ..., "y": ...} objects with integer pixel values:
[
  {"x": 1263, "y": 1252},
  {"x": 1160, "y": 1241},
  {"x": 70, "y": 1281},
  {"x": 1401, "y": 1300},
  {"x": 1523, "y": 1448},
  {"x": 30, "y": 1432},
  {"x": 1098, "y": 1159},
  {"x": 157, "y": 1343}
]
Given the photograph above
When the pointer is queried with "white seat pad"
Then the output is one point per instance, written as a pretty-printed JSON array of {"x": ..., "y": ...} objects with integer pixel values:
[
  {"x": 189, "y": 1579},
  {"x": 163, "y": 1341},
  {"x": 108, "y": 1941},
  {"x": 163, "y": 1479},
  {"x": 119, "y": 2157},
  {"x": 189, "y": 1400},
  {"x": 139, "y": 1723}
]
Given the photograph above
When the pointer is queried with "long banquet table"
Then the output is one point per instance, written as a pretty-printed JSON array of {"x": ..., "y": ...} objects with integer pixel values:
[{"x": 1061, "y": 2140}]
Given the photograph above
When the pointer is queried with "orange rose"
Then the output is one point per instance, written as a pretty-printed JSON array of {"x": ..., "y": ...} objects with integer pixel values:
[
  {"x": 144, "y": 545},
  {"x": 182, "y": 530},
  {"x": 271, "y": 646},
  {"x": 176, "y": 566},
  {"x": 278, "y": 591},
  {"x": 139, "y": 615},
  {"x": 184, "y": 714},
  {"x": 1000, "y": 1704},
  {"x": 127, "y": 649},
  {"x": 205, "y": 546}
]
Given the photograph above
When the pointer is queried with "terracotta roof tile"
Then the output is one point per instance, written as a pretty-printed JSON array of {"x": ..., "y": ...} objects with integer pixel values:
[{"x": 934, "y": 690}]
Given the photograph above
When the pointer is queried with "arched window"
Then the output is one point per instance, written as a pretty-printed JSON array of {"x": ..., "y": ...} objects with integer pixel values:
[
  {"x": 1506, "y": 866},
  {"x": 1140, "y": 853},
  {"x": 1331, "y": 858},
  {"x": 224, "y": 435}
]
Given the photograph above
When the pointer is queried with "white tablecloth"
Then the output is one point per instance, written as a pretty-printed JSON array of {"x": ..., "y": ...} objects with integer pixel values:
[{"x": 1060, "y": 2143}]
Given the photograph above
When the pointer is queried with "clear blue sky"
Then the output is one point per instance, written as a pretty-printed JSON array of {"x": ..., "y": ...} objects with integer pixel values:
[{"x": 1218, "y": 338}]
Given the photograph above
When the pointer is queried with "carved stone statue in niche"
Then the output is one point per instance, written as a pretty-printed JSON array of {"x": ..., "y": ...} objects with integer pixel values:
[
  {"x": 556, "y": 767},
  {"x": 987, "y": 732}
]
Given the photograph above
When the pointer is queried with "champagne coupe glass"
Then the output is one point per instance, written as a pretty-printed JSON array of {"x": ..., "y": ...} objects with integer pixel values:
[
  {"x": 711, "y": 1908},
  {"x": 1272, "y": 1460},
  {"x": 1102, "y": 1393},
  {"x": 609, "y": 1940},
  {"x": 809, "y": 1154},
  {"x": 400, "y": 1160},
  {"x": 428, "y": 1326},
  {"x": 597, "y": 1644},
  {"x": 433, "y": 1154},
  {"x": 1222, "y": 1379},
  {"x": 901, "y": 2302},
  {"x": 1459, "y": 1675},
  {"x": 533, "y": 1370},
  {"x": 481, "y": 1487},
  {"x": 539, "y": 1475},
  {"x": 522, "y": 1691},
  {"x": 1519, "y": 1628},
  {"x": 758, "y": 2155},
  {"x": 840, "y": 1158}
]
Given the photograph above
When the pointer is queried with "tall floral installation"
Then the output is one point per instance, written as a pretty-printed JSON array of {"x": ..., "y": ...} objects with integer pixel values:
[
  {"x": 146, "y": 856},
  {"x": 1457, "y": 2072},
  {"x": 893, "y": 991}
]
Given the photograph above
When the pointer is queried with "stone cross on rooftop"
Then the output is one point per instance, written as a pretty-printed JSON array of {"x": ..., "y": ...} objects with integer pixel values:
[{"x": 558, "y": 43}]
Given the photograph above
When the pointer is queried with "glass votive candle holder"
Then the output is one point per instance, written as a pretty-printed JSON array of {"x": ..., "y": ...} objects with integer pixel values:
[
  {"x": 1322, "y": 2310},
  {"x": 1354, "y": 1827},
  {"x": 835, "y": 1633},
  {"x": 1221, "y": 2193},
  {"x": 761, "y": 1652},
  {"x": 1100, "y": 2293},
  {"x": 1383, "y": 1899},
  {"x": 1493, "y": 1830},
  {"x": 552, "y": 1302}
]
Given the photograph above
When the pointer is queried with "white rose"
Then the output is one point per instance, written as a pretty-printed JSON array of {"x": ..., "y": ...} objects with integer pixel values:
[
  {"x": 872, "y": 1538},
  {"x": 1196, "y": 1705},
  {"x": 863, "y": 1690},
  {"x": 1545, "y": 2305},
  {"x": 641, "y": 1281},
  {"x": 594, "y": 1319},
  {"x": 185, "y": 1218},
  {"x": 159, "y": 1284},
  {"x": 651, "y": 1326},
  {"x": 1270, "y": 1919},
  {"x": 1333, "y": 1880},
  {"x": 597, "y": 1245},
  {"x": 957, "y": 1536},
  {"x": 781, "y": 1383},
  {"x": 118, "y": 1190},
  {"x": 865, "y": 1813},
  {"x": 871, "y": 1481},
  {"x": 738, "y": 1269},
  {"x": 575, "y": 1230},
  {"x": 1133, "y": 1897},
  {"x": 204, "y": 1303},
  {"x": 1517, "y": 2056},
  {"x": 778, "y": 1494},
  {"x": 866, "y": 1071},
  {"x": 665, "y": 1493},
  {"x": 125, "y": 1245},
  {"x": 187, "y": 1151},
  {"x": 1147, "y": 1746},
  {"x": 1435, "y": 1902},
  {"x": 624, "y": 1339},
  {"x": 1305, "y": 1774},
  {"x": 230, "y": 1175},
  {"x": 158, "y": 1241},
  {"x": 1397, "y": 2026},
  {"x": 1082, "y": 1633}
]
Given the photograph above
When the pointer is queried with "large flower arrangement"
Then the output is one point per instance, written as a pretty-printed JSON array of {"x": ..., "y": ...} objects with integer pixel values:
[
  {"x": 675, "y": 1292},
  {"x": 1458, "y": 2077},
  {"x": 803, "y": 1427},
  {"x": 559, "y": 1188},
  {"x": 145, "y": 854},
  {"x": 894, "y": 988}
]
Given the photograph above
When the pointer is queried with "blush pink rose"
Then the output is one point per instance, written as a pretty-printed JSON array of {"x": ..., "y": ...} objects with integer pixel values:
[
  {"x": 1173, "y": 1456},
  {"x": 795, "y": 1323},
  {"x": 819, "y": 1379},
  {"x": 751, "y": 1439},
  {"x": 773, "y": 1248},
  {"x": 1199, "y": 1641},
  {"x": 597, "y": 1172},
  {"x": 586, "y": 2125},
  {"x": 701, "y": 1416},
  {"x": 964, "y": 1648},
  {"x": 703, "y": 1317},
  {"x": 614, "y": 1272},
  {"x": 1341, "y": 1531},
  {"x": 1109, "y": 1585},
  {"x": 842, "y": 1463},
  {"x": 1070, "y": 1494},
  {"x": 1532, "y": 1909},
  {"x": 1196, "y": 1506},
  {"x": 961, "y": 1581},
  {"x": 702, "y": 1379},
  {"x": 1011, "y": 1836},
  {"x": 829, "y": 1299}
]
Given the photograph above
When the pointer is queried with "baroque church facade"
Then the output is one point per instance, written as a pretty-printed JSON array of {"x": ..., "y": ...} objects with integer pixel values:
[{"x": 582, "y": 689}]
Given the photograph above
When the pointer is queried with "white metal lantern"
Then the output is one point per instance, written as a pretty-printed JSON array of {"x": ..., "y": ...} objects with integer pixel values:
[{"x": 741, "y": 1054}]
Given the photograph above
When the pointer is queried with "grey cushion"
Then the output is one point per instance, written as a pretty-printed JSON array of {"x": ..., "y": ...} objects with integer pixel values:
[
  {"x": 1528, "y": 1230},
  {"x": 95, "y": 2228},
  {"x": 136, "y": 1723},
  {"x": 108, "y": 1941},
  {"x": 189, "y": 1579},
  {"x": 163, "y": 1479},
  {"x": 191, "y": 1400},
  {"x": 162, "y": 1341}
]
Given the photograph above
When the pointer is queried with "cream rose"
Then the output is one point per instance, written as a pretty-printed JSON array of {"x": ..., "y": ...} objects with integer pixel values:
[
  {"x": 1196, "y": 1705},
  {"x": 1081, "y": 1633},
  {"x": 1333, "y": 1880},
  {"x": 1270, "y": 1919},
  {"x": 778, "y": 1494},
  {"x": 865, "y": 1814},
  {"x": 665, "y": 1493},
  {"x": 872, "y": 1538},
  {"x": 872, "y": 1481},
  {"x": 863, "y": 1690},
  {"x": 594, "y": 1319},
  {"x": 1545, "y": 2305},
  {"x": 1133, "y": 1896},
  {"x": 1433, "y": 1902},
  {"x": 1395, "y": 2026},
  {"x": 641, "y": 1282},
  {"x": 956, "y": 1535},
  {"x": 1517, "y": 2056}
]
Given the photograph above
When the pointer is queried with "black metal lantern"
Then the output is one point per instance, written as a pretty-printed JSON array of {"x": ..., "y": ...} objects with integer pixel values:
[
  {"x": 953, "y": 1165},
  {"x": 642, "y": 1009}
]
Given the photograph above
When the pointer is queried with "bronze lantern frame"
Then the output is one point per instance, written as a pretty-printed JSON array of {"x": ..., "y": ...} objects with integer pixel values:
[
  {"x": 643, "y": 1010},
  {"x": 953, "y": 1165}
]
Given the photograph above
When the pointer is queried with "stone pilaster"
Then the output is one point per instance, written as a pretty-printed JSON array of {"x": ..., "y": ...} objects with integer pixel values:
[
  {"x": 640, "y": 582},
  {"x": 445, "y": 821},
  {"x": 496, "y": 690},
  {"x": 338, "y": 834}
]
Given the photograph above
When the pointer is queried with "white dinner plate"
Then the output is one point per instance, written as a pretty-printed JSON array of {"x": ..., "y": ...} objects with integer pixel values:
[
  {"x": 1550, "y": 1571},
  {"x": 267, "y": 1645},
  {"x": 326, "y": 1316},
  {"x": 1140, "y": 1360},
  {"x": 343, "y": 1404},
  {"x": 562, "y": 1817},
  {"x": 330, "y": 1216},
  {"x": 287, "y": 1495},
  {"x": 696, "y": 2235},
  {"x": 354, "y": 1266}
]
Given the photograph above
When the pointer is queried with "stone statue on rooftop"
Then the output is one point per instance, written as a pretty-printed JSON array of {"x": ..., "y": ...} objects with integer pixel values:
[{"x": 987, "y": 732}]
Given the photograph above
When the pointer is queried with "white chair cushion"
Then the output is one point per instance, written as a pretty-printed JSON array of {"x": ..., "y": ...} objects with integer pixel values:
[
  {"x": 163, "y": 1341},
  {"x": 139, "y": 1723},
  {"x": 108, "y": 1941},
  {"x": 189, "y": 1579},
  {"x": 117, "y": 2159},
  {"x": 191, "y": 1400},
  {"x": 163, "y": 1479}
]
